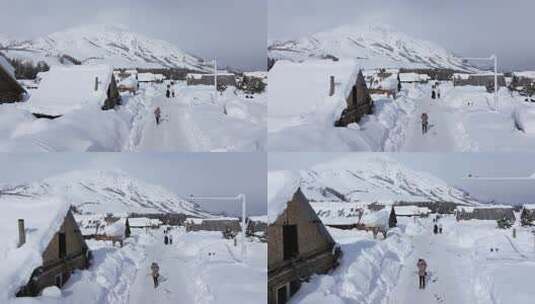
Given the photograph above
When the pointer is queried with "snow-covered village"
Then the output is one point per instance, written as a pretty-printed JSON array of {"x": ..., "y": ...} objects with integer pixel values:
[
  {"x": 128, "y": 82},
  {"x": 95, "y": 228},
  {"x": 398, "y": 228},
  {"x": 367, "y": 76}
]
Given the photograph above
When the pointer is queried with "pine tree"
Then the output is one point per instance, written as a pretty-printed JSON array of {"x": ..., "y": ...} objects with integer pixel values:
[
  {"x": 525, "y": 218},
  {"x": 504, "y": 223},
  {"x": 392, "y": 220}
]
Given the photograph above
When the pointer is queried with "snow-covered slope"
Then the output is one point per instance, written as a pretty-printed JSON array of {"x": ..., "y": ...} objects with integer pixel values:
[
  {"x": 374, "y": 46},
  {"x": 378, "y": 179},
  {"x": 110, "y": 44},
  {"x": 103, "y": 192}
]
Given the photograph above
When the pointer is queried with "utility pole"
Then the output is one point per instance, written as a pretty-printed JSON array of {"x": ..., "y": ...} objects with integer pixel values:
[{"x": 241, "y": 198}]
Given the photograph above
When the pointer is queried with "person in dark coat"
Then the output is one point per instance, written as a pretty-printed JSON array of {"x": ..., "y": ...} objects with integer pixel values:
[
  {"x": 422, "y": 272},
  {"x": 155, "y": 273},
  {"x": 433, "y": 93},
  {"x": 166, "y": 240},
  {"x": 170, "y": 239},
  {"x": 157, "y": 114},
  {"x": 425, "y": 122},
  {"x": 435, "y": 229}
]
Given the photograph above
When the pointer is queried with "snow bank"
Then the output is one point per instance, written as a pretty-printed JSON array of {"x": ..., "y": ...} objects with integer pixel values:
[
  {"x": 525, "y": 119},
  {"x": 42, "y": 218},
  {"x": 369, "y": 270},
  {"x": 64, "y": 89},
  {"x": 282, "y": 186}
]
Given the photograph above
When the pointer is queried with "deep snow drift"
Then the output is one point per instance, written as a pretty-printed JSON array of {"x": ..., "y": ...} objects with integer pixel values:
[
  {"x": 195, "y": 120},
  {"x": 199, "y": 267}
]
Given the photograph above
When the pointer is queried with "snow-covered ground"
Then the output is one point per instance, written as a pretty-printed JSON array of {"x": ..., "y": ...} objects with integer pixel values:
[
  {"x": 199, "y": 267},
  {"x": 461, "y": 266},
  {"x": 193, "y": 121}
]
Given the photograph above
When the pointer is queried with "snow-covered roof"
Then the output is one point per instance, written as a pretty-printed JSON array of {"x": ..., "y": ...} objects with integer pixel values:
[
  {"x": 88, "y": 224},
  {"x": 411, "y": 210},
  {"x": 199, "y": 221},
  {"x": 413, "y": 77},
  {"x": 338, "y": 213},
  {"x": 7, "y": 66},
  {"x": 200, "y": 76},
  {"x": 64, "y": 89},
  {"x": 147, "y": 77},
  {"x": 471, "y": 209},
  {"x": 529, "y": 206},
  {"x": 525, "y": 74},
  {"x": 43, "y": 217},
  {"x": 282, "y": 186},
  {"x": 300, "y": 88},
  {"x": 259, "y": 218},
  {"x": 143, "y": 222},
  {"x": 375, "y": 218},
  {"x": 128, "y": 82},
  {"x": 257, "y": 74}
]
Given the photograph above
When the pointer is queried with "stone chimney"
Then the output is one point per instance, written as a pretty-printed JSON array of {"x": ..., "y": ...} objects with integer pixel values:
[
  {"x": 22, "y": 233},
  {"x": 331, "y": 87}
]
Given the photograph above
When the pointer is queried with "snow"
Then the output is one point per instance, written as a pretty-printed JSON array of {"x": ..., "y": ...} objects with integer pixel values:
[
  {"x": 282, "y": 185},
  {"x": 129, "y": 82},
  {"x": 411, "y": 210},
  {"x": 259, "y": 218},
  {"x": 149, "y": 77},
  {"x": 337, "y": 213},
  {"x": 102, "y": 192},
  {"x": 199, "y": 221},
  {"x": 413, "y": 77},
  {"x": 65, "y": 89},
  {"x": 525, "y": 74},
  {"x": 137, "y": 222},
  {"x": 301, "y": 115},
  {"x": 376, "y": 218},
  {"x": 51, "y": 291},
  {"x": 43, "y": 217},
  {"x": 373, "y": 45},
  {"x": 525, "y": 119}
]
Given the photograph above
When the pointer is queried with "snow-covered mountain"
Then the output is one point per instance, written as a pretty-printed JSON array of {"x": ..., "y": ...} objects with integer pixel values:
[
  {"x": 110, "y": 44},
  {"x": 103, "y": 192},
  {"x": 380, "y": 179},
  {"x": 374, "y": 46}
]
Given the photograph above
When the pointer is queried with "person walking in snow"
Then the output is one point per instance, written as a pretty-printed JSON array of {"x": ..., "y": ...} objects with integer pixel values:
[
  {"x": 173, "y": 93},
  {"x": 155, "y": 273},
  {"x": 422, "y": 272},
  {"x": 433, "y": 92},
  {"x": 425, "y": 122},
  {"x": 170, "y": 239},
  {"x": 435, "y": 229},
  {"x": 165, "y": 240},
  {"x": 168, "y": 92},
  {"x": 438, "y": 92},
  {"x": 440, "y": 228},
  {"x": 157, "y": 114}
]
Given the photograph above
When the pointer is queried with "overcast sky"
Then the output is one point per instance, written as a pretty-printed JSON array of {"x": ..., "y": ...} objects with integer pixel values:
[
  {"x": 466, "y": 27},
  {"x": 453, "y": 168},
  {"x": 234, "y": 31},
  {"x": 208, "y": 174}
]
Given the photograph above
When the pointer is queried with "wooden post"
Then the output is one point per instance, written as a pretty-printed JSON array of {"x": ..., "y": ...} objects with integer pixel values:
[
  {"x": 331, "y": 87},
  {"x": 96, "y": 83},
  {"x": 22, "y": 233}
]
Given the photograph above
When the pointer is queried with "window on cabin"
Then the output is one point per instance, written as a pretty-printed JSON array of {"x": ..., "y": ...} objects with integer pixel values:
[
  {"x": 290, "y": 241},
  {"x": 62, "y": 242}
]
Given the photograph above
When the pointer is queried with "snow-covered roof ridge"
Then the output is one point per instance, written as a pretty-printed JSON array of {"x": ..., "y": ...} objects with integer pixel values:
[
  {"x": 282, "y": 185},
  {"x": 43, "y": 217}
]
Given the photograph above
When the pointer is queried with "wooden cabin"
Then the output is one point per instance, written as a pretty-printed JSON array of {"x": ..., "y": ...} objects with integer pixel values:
[
  {"x": 482, "y": 80},
  {"x": 104, "y": 227},
  {"x": 213, "y": 224},
  {"x": 359, "y": 102},
  {"x": 490, "y": 212},
  {"x": 10, "y": 89},
  {"x": 299, "y": 246},
  {"x": 65, "y": 89},
  {"x": 43, "y": 247}
]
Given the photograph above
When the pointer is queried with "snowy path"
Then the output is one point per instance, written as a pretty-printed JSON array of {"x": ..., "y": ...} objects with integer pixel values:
[
  {"x": 176, "y": 282},
  {"x": 176, "y": 132},
  {"x": 449, "y": 279},
  {"x": 441, "y": 133}
]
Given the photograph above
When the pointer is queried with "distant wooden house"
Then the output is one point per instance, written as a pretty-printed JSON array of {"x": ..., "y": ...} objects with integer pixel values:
[
  {"x": 104, "y": 227},
  {"x": 359, "y": 102},
  {"x": 299, "y": 244},
  {"x": 65, "y": 89},
  {"x": 226, "y": 79},
  {"x": 257, "y": 225},
  {"x": 49, "y": 245},
  {"x": 490, "y": 212},
  {"x": 213, "y": 224},
  {"x": 482, "y": 80},
  {"x": 10, "y": 89}
]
